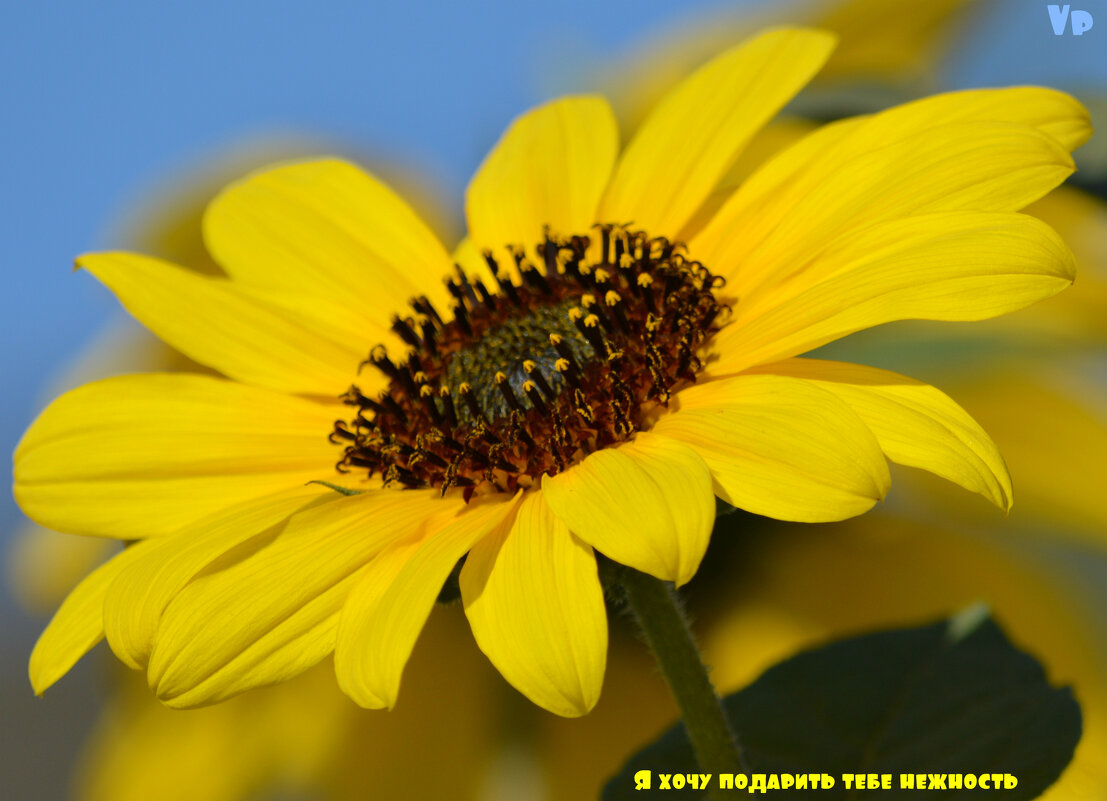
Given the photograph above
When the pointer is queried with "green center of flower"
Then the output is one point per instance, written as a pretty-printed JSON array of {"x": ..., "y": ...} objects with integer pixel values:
[
  {"x": 532, "y": 377},
  {"x": 498, "y": 351}
]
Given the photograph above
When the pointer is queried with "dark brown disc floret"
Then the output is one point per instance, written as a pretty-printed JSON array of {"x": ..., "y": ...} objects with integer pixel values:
[{"x": 535, "y": 369}]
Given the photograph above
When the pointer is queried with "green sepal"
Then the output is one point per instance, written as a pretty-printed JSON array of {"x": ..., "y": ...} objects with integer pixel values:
[{"x": 337, "y": 488}]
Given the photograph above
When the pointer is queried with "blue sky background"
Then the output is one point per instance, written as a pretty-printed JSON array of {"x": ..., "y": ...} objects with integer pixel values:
[{"x": 101, "y": 100}]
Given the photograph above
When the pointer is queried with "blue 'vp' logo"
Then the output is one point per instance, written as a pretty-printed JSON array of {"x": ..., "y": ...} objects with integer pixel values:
[{"x": 1081, "y": 20}]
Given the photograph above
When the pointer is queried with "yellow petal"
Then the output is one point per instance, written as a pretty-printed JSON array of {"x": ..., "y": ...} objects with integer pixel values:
[
  {"x": 772, "y": 193},
  {"x": 535, "y": 604},
  {"x": 646, "y": 503},
  {"x": 915, "y": 424},
  {"x": 275, "y": 613},
  {"x": 136, "y": 600},
  {"x": 326, "y": 228},
  {"x": 142, "y": 455},
  {"x": 978, "y": 166},
  {"x": 270, "y": 338},
  {"x": 549, "y": 168},
  {"x": 78, "y": 624},
  {"x": 947, "y": 266},
  {"x": 696, "y": 132},
  {"x": 393, "y": 598},
  {"x": 781, "y": 447},
  {"x": 1054, "y": 113}
]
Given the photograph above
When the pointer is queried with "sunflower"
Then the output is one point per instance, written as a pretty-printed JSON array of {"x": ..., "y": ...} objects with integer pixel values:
[{"x": 603, "y": 359}]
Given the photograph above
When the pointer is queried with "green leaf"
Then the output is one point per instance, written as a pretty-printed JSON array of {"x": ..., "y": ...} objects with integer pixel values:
[{"x": 950, "y": 698}]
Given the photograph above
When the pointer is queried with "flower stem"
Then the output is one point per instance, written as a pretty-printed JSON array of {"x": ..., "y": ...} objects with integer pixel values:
[{"x": 657, "y": 608}]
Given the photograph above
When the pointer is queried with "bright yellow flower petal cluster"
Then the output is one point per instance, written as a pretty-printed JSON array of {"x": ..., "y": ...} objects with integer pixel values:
[{"x": 246, "y": 574}]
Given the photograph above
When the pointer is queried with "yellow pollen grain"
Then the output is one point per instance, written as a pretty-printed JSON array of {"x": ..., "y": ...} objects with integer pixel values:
[
  {"x": 612, "y": 298},
  {"x": 420, "y": 377},
  {"x": 561, "y": 365},
  {"x": 588, "y": 300},
  {"x": 626, "y": 261},
  {"x": 645, "y": 279},
  {"x": 501, "y": 377},
  {"x": 591, "y": 321},
  {"x": 444, "y": 391},
  {"x": 426, "y": 391},
  {"x": 602, "y": 276},
  {"x": 528, "y": 386},
  {"x": 555, "y": 339},
  {"x": 464, "y": 388},
  {"x": 529, "y": 366},
  {"x": 575, "y": 314}
]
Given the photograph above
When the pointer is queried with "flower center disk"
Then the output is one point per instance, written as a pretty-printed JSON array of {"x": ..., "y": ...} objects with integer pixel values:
[{"x": 529, "y": 378}]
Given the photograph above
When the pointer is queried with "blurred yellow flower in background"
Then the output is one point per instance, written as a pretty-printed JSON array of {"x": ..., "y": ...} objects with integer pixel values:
[{"x": 305, "y": 737}]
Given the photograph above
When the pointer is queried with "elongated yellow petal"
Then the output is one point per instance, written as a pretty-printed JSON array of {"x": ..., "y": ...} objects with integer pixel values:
[
  {"x": 915, "y": 424},
  {"x": 1054, "y": 113},
  {"x": 697, "y": 130},
  {"x": 958, "y": 266},
  {"x": 79, "y": 623},
  {"x": 534, "y": 601},
  {"x": 854, "y": 172},
  {"x": 275, "y": 613},
  {"x": 549, "y": 168},
  {"x": 326, "y": 228},
  {"x": 781, "y": 447},
  {"x": 275, "y": 339},
  {"x": 134, "y": 603},
  {"x": 646, "y": 503},
  {"x": 393, "y": 598},
  {"x": 142, "y": 455},
  {"x": 977, "y": 166}
]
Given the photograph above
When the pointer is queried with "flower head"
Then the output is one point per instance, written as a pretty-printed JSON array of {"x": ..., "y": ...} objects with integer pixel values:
[{"x": 613, "y": 348}]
